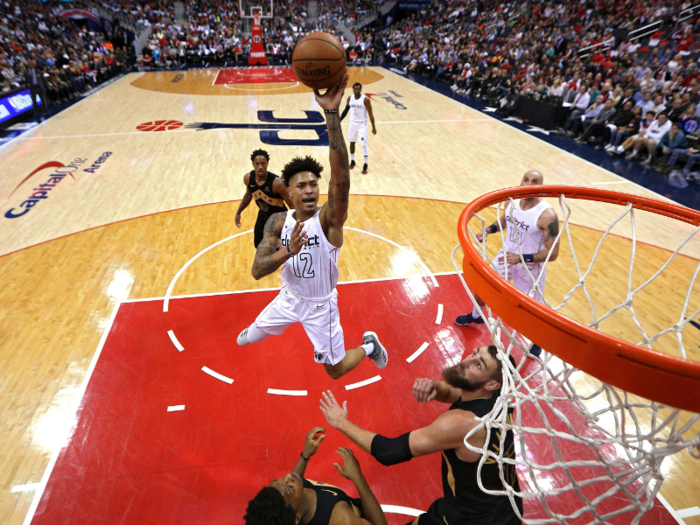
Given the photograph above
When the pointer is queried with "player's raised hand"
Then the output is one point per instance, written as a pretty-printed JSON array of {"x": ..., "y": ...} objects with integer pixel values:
[
  {"x": 313, "y": 441},
  {"x": 333, "y": 96},
  {"x": 351, "y": 467},
  {"x": 332, "y": 411},
  {"x": 298, "y": 239},
  {"x": 480, "y": 236},
  {"x": 424, "y": 390}
]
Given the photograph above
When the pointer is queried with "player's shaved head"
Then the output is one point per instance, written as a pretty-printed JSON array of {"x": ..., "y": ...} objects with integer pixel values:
[{"x": 532, "y": 177}]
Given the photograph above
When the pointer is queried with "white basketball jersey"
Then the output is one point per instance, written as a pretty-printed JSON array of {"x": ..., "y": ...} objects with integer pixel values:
[
  {"x": 530, "y": 238},
  {"x": 312, "y": 273},
  {"x": 358, "y": 111}
]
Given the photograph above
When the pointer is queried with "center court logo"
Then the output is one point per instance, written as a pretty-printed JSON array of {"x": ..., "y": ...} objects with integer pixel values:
[
  {"x": 54, "y": 173},
  {"x": 270, "y": 128}
]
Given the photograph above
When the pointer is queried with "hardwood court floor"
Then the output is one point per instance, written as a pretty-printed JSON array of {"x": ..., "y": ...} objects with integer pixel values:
[{"x": 123, "y": 229}]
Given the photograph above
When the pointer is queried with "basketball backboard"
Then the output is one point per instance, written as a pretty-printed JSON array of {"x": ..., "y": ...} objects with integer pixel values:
[{"x": 248, "y": 8}]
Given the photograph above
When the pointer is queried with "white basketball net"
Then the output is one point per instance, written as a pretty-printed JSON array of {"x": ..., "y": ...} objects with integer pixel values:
[{"x": 602, "y": 444}]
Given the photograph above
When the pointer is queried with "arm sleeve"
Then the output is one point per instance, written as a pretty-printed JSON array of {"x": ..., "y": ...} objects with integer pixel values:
[{"x": 391, "y": 451}]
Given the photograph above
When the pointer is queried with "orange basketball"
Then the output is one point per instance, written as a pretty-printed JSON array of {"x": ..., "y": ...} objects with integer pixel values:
[{"x": 319, "y": 60}]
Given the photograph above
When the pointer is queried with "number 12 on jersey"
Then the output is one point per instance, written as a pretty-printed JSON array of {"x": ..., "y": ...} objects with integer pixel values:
[{"x": 303, "y": 265}]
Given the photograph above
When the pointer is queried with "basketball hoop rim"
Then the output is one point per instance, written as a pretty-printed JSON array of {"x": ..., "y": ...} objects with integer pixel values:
[{"x": 671, "y": 380}]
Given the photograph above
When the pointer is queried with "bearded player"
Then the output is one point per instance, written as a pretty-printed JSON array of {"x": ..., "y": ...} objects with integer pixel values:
[
  {"x": 532, "y": 229},
  {"x": 471, "y": 388},
  {"x": 310, "y": 238}
]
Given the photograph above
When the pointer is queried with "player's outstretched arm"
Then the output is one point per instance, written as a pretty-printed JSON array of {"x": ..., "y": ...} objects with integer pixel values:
[
  {"x": 311, "y": 443},
  {"x": 268, "y": 258},
  {"x": 445, "y": 433},
  {"x": 335, "y": 211},
  {"x": 426, "y": 390},
  {"x": 371, "y": 510}
]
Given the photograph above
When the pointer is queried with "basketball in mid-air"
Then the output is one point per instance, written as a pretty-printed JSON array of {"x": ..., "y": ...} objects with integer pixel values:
[{"x": 319, "y": 60}]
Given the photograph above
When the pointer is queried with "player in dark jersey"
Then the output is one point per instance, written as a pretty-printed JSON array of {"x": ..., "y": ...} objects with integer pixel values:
[
  {"x": 472, "y": 388},
  {"x": 293, "y": 500},
  {"x": 267, "y": 189}
]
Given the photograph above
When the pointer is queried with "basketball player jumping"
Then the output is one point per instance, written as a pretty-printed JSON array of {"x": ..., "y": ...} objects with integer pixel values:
[
  {"x": 267, "y": 189},
  {"x": 311, "y": 238},
  {"x": 471, "y": 388},
  {"x": 359, "y": 106},
  {"x": 535, "y": 226}
]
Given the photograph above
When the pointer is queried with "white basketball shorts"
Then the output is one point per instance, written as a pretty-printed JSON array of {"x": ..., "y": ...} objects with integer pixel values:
[
  {"x": 520, "y": 278},
  {"x": 321, "y": 322},
  {"x": 357, "y": 130}
]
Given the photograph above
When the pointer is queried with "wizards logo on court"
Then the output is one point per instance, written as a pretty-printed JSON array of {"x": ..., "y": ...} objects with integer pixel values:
[
  {"x": 54, "y": 173},
  {"x": 270, "y": 128}
]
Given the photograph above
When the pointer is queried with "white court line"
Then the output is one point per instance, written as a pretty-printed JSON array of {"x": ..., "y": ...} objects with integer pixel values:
[
  {"x": 174, "y": 340},
  {"x": 190, "y": 130},
  {"x": 661, "y": 197},
  {"x": 279, "y": 392},
  {"x": 213, "y": 83},
  {"x": 217, "y": 375},
  {"x": 54, "y": 457},
  {"x": 176, "y": 408},
  {"x": 193, "y": 259},
  {"x": 439, "y": 314},
  {"x": 25, "y": 488},
  {"x": 418, "y": 352},
  {"x": 412, "y": 254},
  {"x": 340, "y": 283},
  {"x": 166, "y": 301},
  {"x": 670, "y": 509},
  {"x": 406, "y": 511},
  {"x": 366, "y": 382},
  {"x": 690, "y": 512}
]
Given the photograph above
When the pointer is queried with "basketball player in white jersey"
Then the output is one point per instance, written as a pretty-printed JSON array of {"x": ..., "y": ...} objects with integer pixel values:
[
  {"x": 359, "y": 106},
  {"x": 534, "y": 225},
  {"x": 310, "y": 239}
]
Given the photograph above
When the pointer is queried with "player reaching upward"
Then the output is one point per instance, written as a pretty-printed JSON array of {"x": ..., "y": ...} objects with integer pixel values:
[
  {"x": 310, "y": 239},
  {"x": 359, "y": 106},
  {"x": 267, "y": 189},
  {"x": 534, "y": 227}
]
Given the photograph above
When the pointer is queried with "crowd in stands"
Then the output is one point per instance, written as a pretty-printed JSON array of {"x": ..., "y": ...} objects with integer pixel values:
[
  {"x": 59, "y": 57},
  {"x": 630, "y": 96},
  {"x": 213, "y": 32}
]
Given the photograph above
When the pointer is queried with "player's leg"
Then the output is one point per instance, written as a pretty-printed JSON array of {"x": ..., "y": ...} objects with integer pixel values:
[
  {"x": 475, "y": 316},
  {"x": 525, "y": 281},
  {"x": 352, "y": 138},
  {"x": 273, "y": 320},
  {"x": 329, "y": 348},
  {"x": 365, "y": 151},
  {"x": 259, "y": 229}
]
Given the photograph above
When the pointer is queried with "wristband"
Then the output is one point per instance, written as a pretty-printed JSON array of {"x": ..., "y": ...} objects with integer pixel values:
[
  {"x": 492, "y": 229},
  {"x": 289, "y": 251},
  {"x": 529, "y": 257},
  {"x": 304, "y": 457},
  {"x": 329, "y": 111}
]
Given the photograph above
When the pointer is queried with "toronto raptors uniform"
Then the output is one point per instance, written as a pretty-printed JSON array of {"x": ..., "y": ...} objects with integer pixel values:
[
  {"x": 523, "y": 236},
  {"x": 358, "y": 119},
  {"x": 308, "y": 295},
  {"x": 267, "y": 200}
]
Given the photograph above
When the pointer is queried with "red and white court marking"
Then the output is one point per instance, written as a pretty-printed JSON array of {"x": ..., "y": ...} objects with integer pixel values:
[{"x": 138, "y": 456}]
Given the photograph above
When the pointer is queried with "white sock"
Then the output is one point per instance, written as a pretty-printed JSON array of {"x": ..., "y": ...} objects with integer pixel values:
[
  {"x": 366, "y": 157},
  {"x": 475, "y": 312},
  {"x": 368, "y": 347},
  {"x": 352, "y": 156}
]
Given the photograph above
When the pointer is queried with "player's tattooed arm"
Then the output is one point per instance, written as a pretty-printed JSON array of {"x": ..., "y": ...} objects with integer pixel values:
[
  {"x": 268, "y": 258},
  {"x": 549, "y": 224}
]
